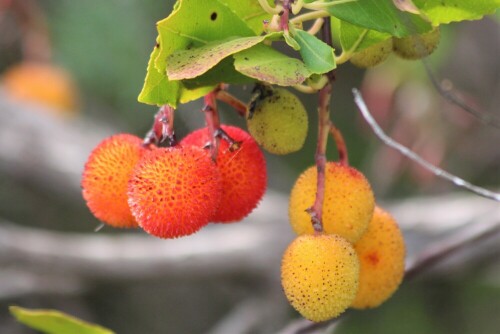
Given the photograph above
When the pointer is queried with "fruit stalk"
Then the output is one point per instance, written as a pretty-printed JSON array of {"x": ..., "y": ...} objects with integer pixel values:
[
  {"x": 285, "y": 15},
  {"x": 340, "y": 142},
  {"x": 316, "y": 211},
  {"x": 231, "y": 100},
  {"x": 163, "y": 128},
  {"x": 213, "y": 122}
]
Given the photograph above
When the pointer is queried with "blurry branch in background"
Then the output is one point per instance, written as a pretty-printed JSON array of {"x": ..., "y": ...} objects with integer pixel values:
[
  {"x": 358, "y": 99},
  {"x": 450, "y": 96}
]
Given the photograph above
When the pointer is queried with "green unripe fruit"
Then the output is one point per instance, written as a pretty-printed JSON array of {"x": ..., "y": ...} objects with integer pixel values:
[
  {"x": 278, "y": 122},
  {"x": 416, "y": 46},
  {"x": 372, "y": 55}
]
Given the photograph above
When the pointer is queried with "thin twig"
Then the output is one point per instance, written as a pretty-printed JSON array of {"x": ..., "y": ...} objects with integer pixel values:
[
  {"x": 415, "y": 157},
  {"x": 485, "y": 118}
]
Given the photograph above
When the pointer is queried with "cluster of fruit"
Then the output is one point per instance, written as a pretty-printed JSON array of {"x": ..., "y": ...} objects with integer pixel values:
[
  {"x": 358, "y": 259},
  {"x": 175, "y": 191},
  {"x": 411, "y": 47}
]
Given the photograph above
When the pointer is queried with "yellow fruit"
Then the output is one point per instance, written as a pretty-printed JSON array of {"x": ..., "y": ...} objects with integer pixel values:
[
  {"x": 42, "y": 83},
  {"x": 347, "y": 207},
  {"x": 372, "y": 55},
  {"x": 279, "y": 122},
  {"x": 319, "y": 274},
  {"x": 381, "y": 252},
  {"x": 416, "y": 46}
]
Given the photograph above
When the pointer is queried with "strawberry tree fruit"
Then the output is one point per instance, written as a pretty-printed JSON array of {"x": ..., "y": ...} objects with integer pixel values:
[
  {"x": 348, "y": 204},
  {"x": 242, "y": 170},
  {"x": 416, "y": 46},
  {"x": 381, "y": 252},
  {"x": 105, "y": 178},
  {"x": 174, "y": 191},
  {"x": 372, "y": 55},
  {"x": 319, "y": 275},
  {"x": 278, "y": 121}
]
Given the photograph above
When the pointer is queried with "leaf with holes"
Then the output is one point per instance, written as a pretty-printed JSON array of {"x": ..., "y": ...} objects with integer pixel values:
[
  {"x": 188, "y": 64},
  {"x": 316, "y": 54},
  {"x": 265, "y": 64},
  {"x": 380, "y": 15},
  {"x": 55, "y": 322},
  {"x": 195, "y": 23}
]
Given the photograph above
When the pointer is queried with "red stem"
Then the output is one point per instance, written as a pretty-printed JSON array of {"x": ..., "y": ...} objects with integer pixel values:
[
  {"x": 284, "y": 17},
  {"x": 341, "y": 146},
  {"x": 324, "y": 127},
  {"x": 316, "y": 211},
  {"x": 231, "y": 100},
  {"x": 163, "y": 128},
  {"x": 213, "y": 122}
]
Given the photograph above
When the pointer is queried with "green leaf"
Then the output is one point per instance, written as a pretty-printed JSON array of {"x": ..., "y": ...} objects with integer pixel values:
[
  {"x": 194, "y": 23},
  {"x": 380, "y": 15},
  {"x": 250, "y": 11},
  {"x": 446, "y": 11},
  {"x": 317, "y": 55},
  {"x": 354, "y": 38},
  {"x": 265, "y": 64},
  {"x": 188, "y": 95},
  {"x": 157, "y": 89},
  {"x": 188, "y": 64},
  {"x": 223, "y": 72},
  {"x": 55, "y": 322},
  {"x": 291, "y": 42}
]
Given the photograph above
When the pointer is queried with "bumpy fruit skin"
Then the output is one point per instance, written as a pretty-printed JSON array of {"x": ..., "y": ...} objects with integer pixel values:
[
  {"x": 381, "y": 252},
  {"x": 105, "y": 178},
  {"x": 372, "y": 55},
  {"x": 42, "y": 83},
  {"x": 243, "y": 173},
  {"x": 416, "y": 46},
  {"x": 319, "y": 274},
  {"x": 174, "y": 192},
  {"x": 279, "y": 122},
  {"x": 348, "y": 204}
]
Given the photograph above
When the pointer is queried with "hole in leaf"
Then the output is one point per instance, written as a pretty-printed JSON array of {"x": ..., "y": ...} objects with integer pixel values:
[{"x": 213, "y": 17}]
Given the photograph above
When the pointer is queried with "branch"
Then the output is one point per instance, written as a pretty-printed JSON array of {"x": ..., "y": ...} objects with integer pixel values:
[
  {"x": 358, "y": 99},
  {"x": 485, "y": 118}
]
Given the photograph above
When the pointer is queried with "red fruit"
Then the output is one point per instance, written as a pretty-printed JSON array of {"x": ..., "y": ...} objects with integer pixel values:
[
  {"x": 105, "y": 178},
  {"x": 243, "y": 173},
  {"x": 174, "y": 192}
]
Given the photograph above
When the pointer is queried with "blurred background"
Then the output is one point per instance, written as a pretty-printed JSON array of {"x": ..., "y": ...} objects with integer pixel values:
[{"x": 70, "y": 74}]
